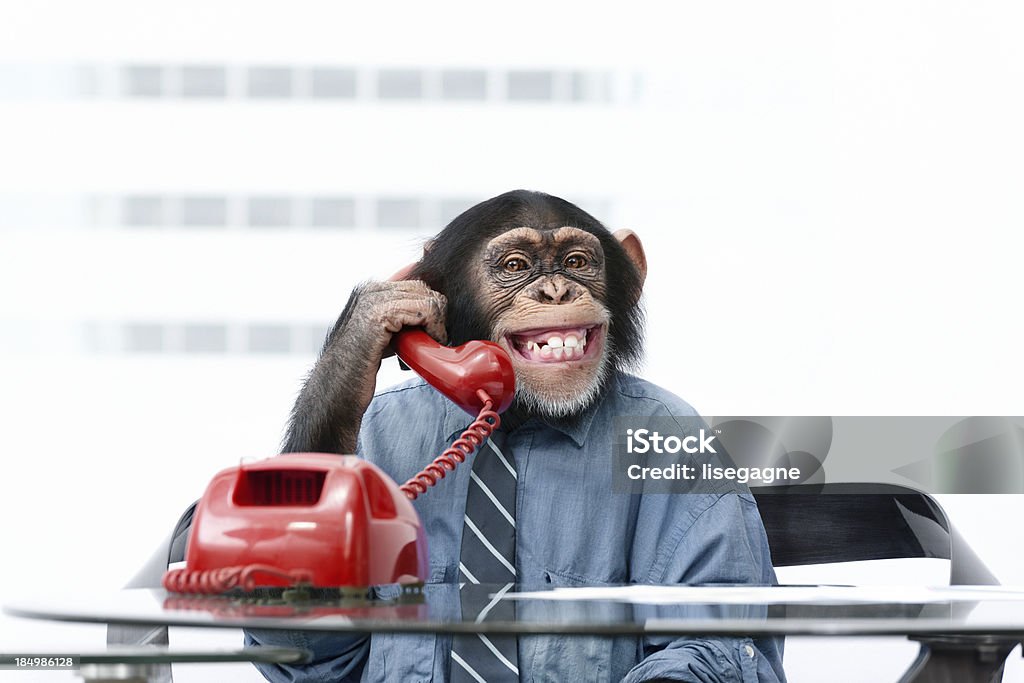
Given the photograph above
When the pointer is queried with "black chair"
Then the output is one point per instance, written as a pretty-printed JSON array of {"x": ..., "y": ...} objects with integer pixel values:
[
  {"x": 828, "y": 523},
  {"x": 825, "y": 523}
]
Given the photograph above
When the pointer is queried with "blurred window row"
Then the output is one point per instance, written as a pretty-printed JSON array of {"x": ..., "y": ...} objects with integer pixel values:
[
  {"x": 284, "y": 211},
  {"x": 139, "y": 337},
  {"x": 275, "y": 82},
  {"x": 271, "y": 210}
]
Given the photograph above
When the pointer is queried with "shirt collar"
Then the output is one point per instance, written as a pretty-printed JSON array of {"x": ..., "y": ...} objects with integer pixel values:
[{"x": 577, "y": 428}]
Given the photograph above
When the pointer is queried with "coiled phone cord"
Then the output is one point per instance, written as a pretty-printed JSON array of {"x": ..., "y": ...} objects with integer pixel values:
[
  {"x": 476, "y": 433},
  {"x": 221, "y": 580}
]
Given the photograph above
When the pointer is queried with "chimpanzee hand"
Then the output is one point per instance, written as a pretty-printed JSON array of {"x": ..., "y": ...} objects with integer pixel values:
[
  {"x": 329, "y": 410},
  {"x": 379, "y": 309}
]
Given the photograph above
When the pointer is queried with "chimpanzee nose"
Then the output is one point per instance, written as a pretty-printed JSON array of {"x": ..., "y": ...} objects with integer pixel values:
[{"x": 555, "y": 290}]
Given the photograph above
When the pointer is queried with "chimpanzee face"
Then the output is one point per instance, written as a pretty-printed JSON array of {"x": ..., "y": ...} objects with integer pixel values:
[
  {"x": 544, "y": 291},
  {"x": 551, "y": 285}
]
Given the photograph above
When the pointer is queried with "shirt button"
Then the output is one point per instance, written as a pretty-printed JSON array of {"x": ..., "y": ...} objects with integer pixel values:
[{"x": 749, "y": 650}]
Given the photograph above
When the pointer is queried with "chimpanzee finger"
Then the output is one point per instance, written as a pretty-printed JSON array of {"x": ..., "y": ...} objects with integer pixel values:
[
  {"x": 409, "y": 313},
  {"x": 403, "y": 286},
  {"x": 435, "y": 325}
]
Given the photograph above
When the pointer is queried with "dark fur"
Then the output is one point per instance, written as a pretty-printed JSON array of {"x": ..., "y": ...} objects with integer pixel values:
[{"x": 318, "y": 420}]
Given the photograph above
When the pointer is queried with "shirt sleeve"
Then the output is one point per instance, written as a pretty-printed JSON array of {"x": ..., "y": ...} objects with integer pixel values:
[
  {"x": 723, "y": 544},
  {"x": 335, "y": 657}
]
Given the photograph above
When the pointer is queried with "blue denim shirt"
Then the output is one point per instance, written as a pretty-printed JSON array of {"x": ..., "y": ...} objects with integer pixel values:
[{"x": 572, "y": 530}]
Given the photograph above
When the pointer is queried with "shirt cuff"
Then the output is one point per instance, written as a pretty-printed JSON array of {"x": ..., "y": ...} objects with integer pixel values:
[{"x": 700, "y": 660}]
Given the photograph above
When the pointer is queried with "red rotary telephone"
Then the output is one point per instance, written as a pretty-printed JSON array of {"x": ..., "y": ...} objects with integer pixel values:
[{"x": 338, "y": 522}]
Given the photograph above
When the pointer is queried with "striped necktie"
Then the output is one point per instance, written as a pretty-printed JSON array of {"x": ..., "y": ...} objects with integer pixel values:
[{"x": 488, "y": 557}]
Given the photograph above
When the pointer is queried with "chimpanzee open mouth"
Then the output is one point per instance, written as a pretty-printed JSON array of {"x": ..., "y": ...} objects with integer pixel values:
[{"x": 557, "y": 344}]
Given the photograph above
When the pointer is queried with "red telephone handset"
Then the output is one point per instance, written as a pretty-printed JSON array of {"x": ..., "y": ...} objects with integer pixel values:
[
  {"x": 462, "y": 372},
  {"x": 459, "y": 373}
]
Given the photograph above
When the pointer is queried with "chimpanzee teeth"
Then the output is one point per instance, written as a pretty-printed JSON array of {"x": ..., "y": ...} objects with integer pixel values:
[{"x": 568, "y": 345}]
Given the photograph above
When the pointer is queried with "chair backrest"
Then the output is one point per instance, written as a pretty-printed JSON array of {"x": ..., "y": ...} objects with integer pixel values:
[
  {"x": 179, "y": 537},
  {"x": 825, "y": 523}
]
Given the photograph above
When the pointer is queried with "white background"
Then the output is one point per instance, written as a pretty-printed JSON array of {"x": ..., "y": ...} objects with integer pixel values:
[{"x": 829, "y": 193}]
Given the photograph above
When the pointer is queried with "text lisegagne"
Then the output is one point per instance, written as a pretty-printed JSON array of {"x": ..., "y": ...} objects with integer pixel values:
[
  {"x": 645, "y": 441},
  {"x": 742, "y": 475}
]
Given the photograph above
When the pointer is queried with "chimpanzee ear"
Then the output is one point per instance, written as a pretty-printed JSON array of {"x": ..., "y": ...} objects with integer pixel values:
[
  {"x": 634, "y": 250},
  {"x": 404, "y": 273}
]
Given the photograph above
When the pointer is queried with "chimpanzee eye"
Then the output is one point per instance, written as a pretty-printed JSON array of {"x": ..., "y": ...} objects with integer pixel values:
[
  {"x": 515, "y": 264},
  {"x": 575, "y": 260}
]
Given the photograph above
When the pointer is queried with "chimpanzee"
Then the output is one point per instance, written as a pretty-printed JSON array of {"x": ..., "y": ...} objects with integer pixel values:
[
  {"x": 562, "y": 294},
  {"x": 527, "y": 270}
]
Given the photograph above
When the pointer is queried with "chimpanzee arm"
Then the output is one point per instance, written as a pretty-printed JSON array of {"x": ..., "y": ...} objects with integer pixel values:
[{"x": 330, "y": 407}]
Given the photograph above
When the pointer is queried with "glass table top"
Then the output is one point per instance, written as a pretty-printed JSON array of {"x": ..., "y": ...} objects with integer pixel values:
[{"x": 606, "y": 610}]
